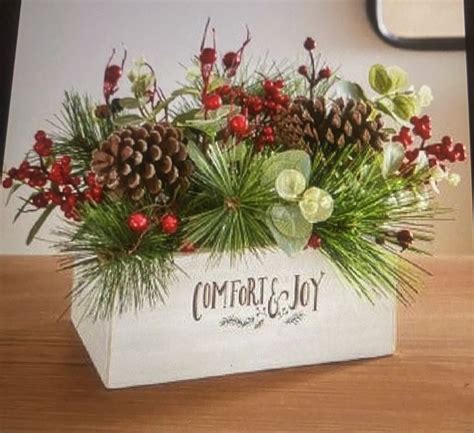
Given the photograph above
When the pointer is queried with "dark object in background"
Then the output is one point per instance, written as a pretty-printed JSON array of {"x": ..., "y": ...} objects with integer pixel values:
[{"x": 9, "y": 19}]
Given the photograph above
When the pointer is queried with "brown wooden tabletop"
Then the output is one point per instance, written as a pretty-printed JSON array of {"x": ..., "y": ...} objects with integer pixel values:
[{"x": 47, "y": 383}]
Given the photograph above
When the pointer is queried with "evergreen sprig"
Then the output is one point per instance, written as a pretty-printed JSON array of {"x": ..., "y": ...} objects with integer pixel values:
[
  {"x": 116, "y": 270},
  {"x": 78, "y": 131},
  {"x": 228, "y": 207},
  {"x": 360, "y": 237}
]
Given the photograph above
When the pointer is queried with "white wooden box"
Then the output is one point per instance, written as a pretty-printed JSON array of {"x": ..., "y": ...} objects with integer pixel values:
[{"x": 226, "y": 320}]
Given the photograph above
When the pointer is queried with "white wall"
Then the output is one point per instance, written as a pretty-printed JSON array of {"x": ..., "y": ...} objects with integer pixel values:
[{"x": 65, "y": 44}]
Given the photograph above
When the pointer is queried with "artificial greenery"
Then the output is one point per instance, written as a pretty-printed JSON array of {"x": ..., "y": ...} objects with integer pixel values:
[
  {"x": 77, "y": 130},
  {"x": 360, "y": 237},
  {"x": 257, "y": 157},
  {"x": 229, "y": 202},
  {"x": 116, "y": 271}
]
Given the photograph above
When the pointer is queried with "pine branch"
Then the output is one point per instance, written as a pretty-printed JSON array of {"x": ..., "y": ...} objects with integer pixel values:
[
  {"x": 114, "y": 272},
  {"x": 78, "y": 131},
  {"x": 370, "y": 207},
  {"x": 227, "y": 211}
]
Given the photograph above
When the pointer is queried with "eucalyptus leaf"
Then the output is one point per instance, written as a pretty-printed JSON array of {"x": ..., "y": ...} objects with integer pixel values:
[
  {"x": 210, "y": 127},
  {"x": 422, "y": 162},
  {"x": 347, "y": 90},
  {"x": 217, "y": 82},
  {"x": 316, "y": 205},
  {"x": 193, "y": 73},
  {"x": 290, "y": 245},
  {"x": 184, "y": 91},
  {"x": 379, "y": 79},
  {"x": 290, "y": 184},
  {"x": 164, "y": 104},
  {"x": 424, "y": 96},
  {"x": 288, "y": 219},
  {"x": 128, "y": 119},
  {"x": 290, "y": 160},
  {"x": 386, "y": 107},
  {"x": 399, "y": 78},
  {"x": 38, "y": 224},
  {"x": 129, "y": 103},
  {"x": 405, "y": 106},
  {"x": 393, "y": 155}
]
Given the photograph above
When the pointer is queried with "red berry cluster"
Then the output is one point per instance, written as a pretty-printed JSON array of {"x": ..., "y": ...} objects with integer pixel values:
[
  {"x": 139, "y": 223},
  {"x": 422, "y": 126},
  {"x": 43, "y": 145},
  {"x": 257, "y": 111},
  {"x": 404, "y": 136},
  {"x": 438, "y": 153},
  {"x": 64, "y": 190},
  {"x": 312, "y": 76}
]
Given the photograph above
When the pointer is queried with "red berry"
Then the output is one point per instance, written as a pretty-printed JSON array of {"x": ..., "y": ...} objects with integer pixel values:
[
  {"x": 113, "y": 74},
  {"x": 224, "y": 90},
  {"x": 188, "y": 247},
  {"x": 169, "y": 223},
  {"x": 405, "y": 238},
  {"x": 239, "y": 124},
  {"x": 208, "y": 56},
  {"x": 138, "y": 222},
  {"x": 411, "y": 155},
  {"x": 268, "y": 85},
  {"x": 303, "y": 70},
  {"x": 325, "y": 72},
  {"x": 309, "y": 44},
  {"x": 21, "y": 175},
  {"x": 65, "y": 160},
  {"x": 7, "y": 183},
  {"x": 279, "y": 84},
  {"x": 71, "y": 200},
  {"x": 268, "y": 130},
  {"x": 447, "y": 141},
  {"x": 212, "y": 101},
  {"x": 404, "y": 136},
  {"x": 255, "y": 104},
  {"x": 39, "y": 200},
  {"x": 12, "y": 172},
  {"x": 55, "y": 198},
  {"x": 314, "y": 241},
  {"x": 96, "y": 193},
  {"x": 40, "y": 135},
  {"x": 231, "y": 60},
  {"x": 460, "y": 152}
]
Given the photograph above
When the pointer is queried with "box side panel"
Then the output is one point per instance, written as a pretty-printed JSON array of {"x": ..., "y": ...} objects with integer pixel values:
[
  {"x": 96, "y": 338},
  {"x": 273, "y": 313}
]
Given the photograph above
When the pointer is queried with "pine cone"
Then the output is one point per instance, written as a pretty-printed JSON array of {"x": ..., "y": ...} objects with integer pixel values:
[
  {"x": 307, "y": 124},
  {"x": 136, "y": 160}
]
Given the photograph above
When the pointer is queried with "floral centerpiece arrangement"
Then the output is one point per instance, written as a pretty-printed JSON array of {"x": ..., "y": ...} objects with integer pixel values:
[{"x": 236, "y": 161}]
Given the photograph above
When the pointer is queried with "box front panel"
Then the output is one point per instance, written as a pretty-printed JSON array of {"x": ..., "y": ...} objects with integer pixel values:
[{"x": 257, "y": 314}]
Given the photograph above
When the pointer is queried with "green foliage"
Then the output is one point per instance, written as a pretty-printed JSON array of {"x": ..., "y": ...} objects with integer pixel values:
[
  {"x": 229, "y": 202},
  {"x": 78, "y": 130},
  {"x": 116, "y": 270},
  {"x": 397, "y": 99},
  {"x": 367, "y": 207}
]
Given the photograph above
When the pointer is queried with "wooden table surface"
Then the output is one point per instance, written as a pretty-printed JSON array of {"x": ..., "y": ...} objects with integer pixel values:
[{"x": 47, "y": 383}]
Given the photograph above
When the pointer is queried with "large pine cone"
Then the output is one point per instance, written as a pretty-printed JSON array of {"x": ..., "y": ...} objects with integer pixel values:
[
  {"x": 308, "y": 124},
  {"x": 148, "y": 159}
]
